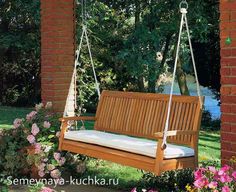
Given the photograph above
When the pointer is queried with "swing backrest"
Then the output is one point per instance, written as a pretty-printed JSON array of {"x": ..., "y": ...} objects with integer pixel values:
[{"x": 143, "y": 114}]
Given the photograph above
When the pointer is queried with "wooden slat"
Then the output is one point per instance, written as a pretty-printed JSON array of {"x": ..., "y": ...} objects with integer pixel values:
[
  {"x": 142, "y": 114},
  {"x": 149, "y": 96}
]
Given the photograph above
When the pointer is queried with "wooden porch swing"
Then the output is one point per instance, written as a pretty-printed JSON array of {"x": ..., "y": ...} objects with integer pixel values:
[{"x": 133, "y": 128}]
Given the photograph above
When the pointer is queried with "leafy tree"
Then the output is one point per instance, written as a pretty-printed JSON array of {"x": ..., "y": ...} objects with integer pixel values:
[{"x": 19, "y": 51}]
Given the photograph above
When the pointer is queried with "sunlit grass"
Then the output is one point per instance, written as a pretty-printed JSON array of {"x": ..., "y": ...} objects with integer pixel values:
[{"x": 8, "y": 114}]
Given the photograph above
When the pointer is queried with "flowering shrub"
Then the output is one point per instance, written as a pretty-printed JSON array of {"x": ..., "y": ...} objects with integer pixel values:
[
  {"x": 41, "y": 130},
  {"x": 216, "y": 180},
  {"x": 31, "y": 147}
]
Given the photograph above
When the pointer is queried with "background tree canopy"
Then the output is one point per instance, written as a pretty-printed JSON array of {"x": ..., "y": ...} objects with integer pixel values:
[
  {"x": 19, "y": 52},
  {"x": 125, "y": 37}
]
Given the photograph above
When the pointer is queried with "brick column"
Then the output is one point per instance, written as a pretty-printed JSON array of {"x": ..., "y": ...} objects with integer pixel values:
[
  {"x": 228, "y": 79},
  {"x": 57, "y": 52}
]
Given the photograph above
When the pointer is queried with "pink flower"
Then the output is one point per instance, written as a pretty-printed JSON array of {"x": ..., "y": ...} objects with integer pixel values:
[
  {"x": 226, "y": 189},
  {"x": 225, "y": 178},
  {"x": 62, "y": 161},
  {"x": 212, "y": 185},
  {"x": 57, "y": 156},
  {"x": 234, "y": 175},
  {"x": 201, "y": 182},
  {"x": 37, "y": 147},
  {"x": 17, "y": 123},
  {"x": 55, "y": 174},
  {"x": 31, "y": 115},
  {"x": 224, "y": 169},
  {"x": 41, "y": 173},
  {"x": 31, "y": 139},
  {"x": 46, "y": 124},
  {"x": 35, "y": 129},
  {"x": 134, "y": 190},
  {"x": 198, "y": 174},
  {"x": 58, "y": 134},
  {"x": 212, "y": 169},
  {"x": 46, "y": 189}
]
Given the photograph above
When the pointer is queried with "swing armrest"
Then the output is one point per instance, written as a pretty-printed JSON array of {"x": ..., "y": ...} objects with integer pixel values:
[
  {"x": 83, "y": 118},
  {"x": 160, "y": 135}
]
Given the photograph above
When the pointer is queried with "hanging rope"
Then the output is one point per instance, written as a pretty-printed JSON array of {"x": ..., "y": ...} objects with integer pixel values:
[
  {"x": 85, "y": 35},
  {"x": 183, "y": 10}
]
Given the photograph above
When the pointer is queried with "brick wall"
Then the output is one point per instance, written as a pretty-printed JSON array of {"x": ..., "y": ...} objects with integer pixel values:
[
  {"x": 228, "y": 79},
  {"x": 57, "y": 52}
]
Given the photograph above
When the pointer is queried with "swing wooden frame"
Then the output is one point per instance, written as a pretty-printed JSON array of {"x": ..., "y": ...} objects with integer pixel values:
[{"x": 181, "y": 104}]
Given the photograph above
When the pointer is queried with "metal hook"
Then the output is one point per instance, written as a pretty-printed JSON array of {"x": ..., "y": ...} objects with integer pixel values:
[{"x": 183, "y": 5}]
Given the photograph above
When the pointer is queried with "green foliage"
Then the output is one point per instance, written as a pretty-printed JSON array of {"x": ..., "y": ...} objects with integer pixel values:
[
  {"x": 168, "y": 181},
  {"x": 208, "y": 123},
  {"x": 125, "y": 36},
  {"x": 19, "y": 52}
]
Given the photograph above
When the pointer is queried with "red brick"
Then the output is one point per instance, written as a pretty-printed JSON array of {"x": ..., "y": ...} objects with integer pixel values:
[
  {"x": 225, "y": 71},
  {"x": 225, "y": 90},
  {"x": 225, "y": 52},
  {"x": 228, "y": 99},
  {"x": 228, "y": 136},
  {"x": 224, "y": 15},
  {"x": 227, "y": 154},
  {"x": 228, "y": 80},
  {"x": 57, "y": 50},
  {"x": 230, "y": 118},
  {"x": 226, "y": 145},
  {"x": 233, "y": 128},
  {"x": 226, "y": 127},
  {"x": 233, "y": 70},
  {"x": 227, "y": 5}
]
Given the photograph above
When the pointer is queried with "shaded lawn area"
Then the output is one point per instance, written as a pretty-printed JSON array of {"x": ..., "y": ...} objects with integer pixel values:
[
  {"x": 9, "y": 114},
  {"x": 209, "y": 149}
]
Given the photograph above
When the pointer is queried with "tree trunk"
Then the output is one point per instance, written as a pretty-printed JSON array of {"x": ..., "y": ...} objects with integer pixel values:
[
  {"x": 141, "y": 86},
  {"x": 152, "y": 80},
  {"x": 137, "y": 13},
  {"x": 181, "y": 77}
]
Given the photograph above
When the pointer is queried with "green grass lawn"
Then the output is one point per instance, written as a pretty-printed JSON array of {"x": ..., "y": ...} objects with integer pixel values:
[
  {"x": 8, "y": 115},
  {"x": 209, "y": 149}
]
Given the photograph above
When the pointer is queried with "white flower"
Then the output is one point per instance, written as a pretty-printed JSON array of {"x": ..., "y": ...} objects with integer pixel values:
[
  {"x": 48, "y": 105},
  {"x": 159, "y": 56},
  {"x": 38, "y": 107}
]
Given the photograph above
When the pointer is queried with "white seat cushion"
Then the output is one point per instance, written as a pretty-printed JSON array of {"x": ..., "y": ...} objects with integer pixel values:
[{"x": 126, "y": 143}]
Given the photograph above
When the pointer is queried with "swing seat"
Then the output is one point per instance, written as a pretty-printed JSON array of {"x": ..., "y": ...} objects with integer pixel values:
[{"x": 128, "y": 130}]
